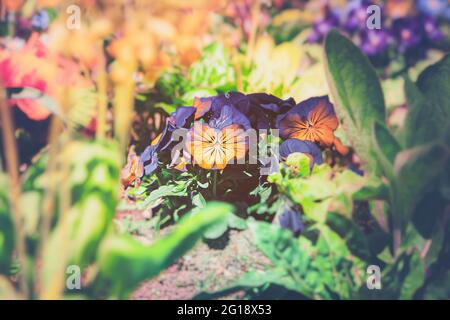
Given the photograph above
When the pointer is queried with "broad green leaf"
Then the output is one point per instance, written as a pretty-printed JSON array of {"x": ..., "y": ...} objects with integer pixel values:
[
  {"x": 426, "y": 120},
  {"x": 385, "y": 147},
  {"x": 354, "y": 238},
  {"x": 124, "y": 262},
  {"x": 414, "y": 279},
  {"x": 216, "y": 230},
  {"x": 254, "y": 280},
  {"x": 356, "y": 92},
  {"x": 92, "y": 180},
  {"x": 386, "y": 142},
  {"x": 374, "y": 188},
  {"x": 434, "y": 82},
  {"x": 415, "y": 171}
]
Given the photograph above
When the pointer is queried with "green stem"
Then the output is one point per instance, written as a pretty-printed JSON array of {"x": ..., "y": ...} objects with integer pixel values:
[{"x": 215, "y": 185}]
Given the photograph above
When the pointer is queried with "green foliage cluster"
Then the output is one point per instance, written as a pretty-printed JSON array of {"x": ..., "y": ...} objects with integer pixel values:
[
  {"x": 395, "y": 216},
  {"x": 82, "y": 228}
]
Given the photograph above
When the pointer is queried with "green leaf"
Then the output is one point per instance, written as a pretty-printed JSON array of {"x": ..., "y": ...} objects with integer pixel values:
[
  {"x": 356, "y": 91},
  {"x": 214, "y": 69},
  {"x": 124, "y": 262},
  {"x": 350, "y": 233},
  {"x": 434, "y": 82},
  {"x": 162, "y": 192},
  {"x": 198, "y": 200},
  {"x": 6, "y": 228},
  {"x": 216, "y": 230},
  {"x": 415, "y": 171},
  {"x": 388, "y": 145},
  {"x": 385, "y": 148},
  {"x": 373, "y": 189},
  {"x": 236, "y": 222},
  {"x": 426, "y": 120}
]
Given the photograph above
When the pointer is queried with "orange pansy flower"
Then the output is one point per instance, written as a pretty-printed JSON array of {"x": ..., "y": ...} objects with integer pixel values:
[{"x": 213, "y": 148}]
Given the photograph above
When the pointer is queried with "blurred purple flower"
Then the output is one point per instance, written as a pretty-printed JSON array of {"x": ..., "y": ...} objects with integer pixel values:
[
  {"x": 373, "y": 42},
  {"x": 323, "y": 26},
  {"x": 357, "y": 15},
  {"x": 431, "y": 29},
  {"x": 435, "y": 8},
  {"x": 40, "y": 20},
  {"x": 408, "y": 32}
]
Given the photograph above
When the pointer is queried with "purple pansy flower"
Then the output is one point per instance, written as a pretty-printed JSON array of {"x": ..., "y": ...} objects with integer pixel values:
[
  {"x": 435, "y": 8},
  {"x": 307, "y": 147},
  {"x": 314, "y": 120},
  {"x": 408, "y": 33},
  {"x": 264, "y": 108},
  {"x": 181, "y": 118},
  {"x": 357, "y": 15},
  {"x": 228, "y": 115},
  {"x": 431, "y": 29},
  {"x": 40, "y": 20},
  {"x": 149, "y": 159},
  {"x": 373, "y": 42},
  {"x": 323, "y": 26},
  {"x": 291, "y": 219}
]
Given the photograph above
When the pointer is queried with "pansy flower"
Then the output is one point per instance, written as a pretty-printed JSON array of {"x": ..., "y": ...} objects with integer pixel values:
[
  {"x": 257, "y": 110},
  {"x": 435, "y": 8},
  {"x": 291, "y": 219},
  {"x": 213, "y": 105},
  {"x": 308, "y": 148},
  {"x": 373, "y": 42},
  {"x": 312, "y": 120},
  {"x": 408, "y": 32},
  {"x": 322, "y": 26},
  {"x": 431, "y": 29},
  {"x": 214, "y": 148},
  {"x": 181, "y": 118}
]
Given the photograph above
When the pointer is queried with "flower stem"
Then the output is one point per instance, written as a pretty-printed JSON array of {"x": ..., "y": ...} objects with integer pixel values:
[
  {"x": 12, "y": 165},
  {"x": 215, "y": 185}
]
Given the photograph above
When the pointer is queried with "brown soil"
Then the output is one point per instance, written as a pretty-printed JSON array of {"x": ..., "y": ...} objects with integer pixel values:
[{"x": 211, "y": 265}]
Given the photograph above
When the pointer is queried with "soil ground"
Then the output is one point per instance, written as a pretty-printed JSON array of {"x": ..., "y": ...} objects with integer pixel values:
[{"x": 211, "y": 265}]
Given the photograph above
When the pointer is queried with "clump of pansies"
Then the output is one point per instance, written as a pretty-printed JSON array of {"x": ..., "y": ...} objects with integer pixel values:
[
  {"x": 215, "y": 138},
  {"x": 215, "y": 129},
  {"x": 406, "y": 29}
]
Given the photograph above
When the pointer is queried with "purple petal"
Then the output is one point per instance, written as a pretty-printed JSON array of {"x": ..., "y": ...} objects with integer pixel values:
[
  {"x": 229, "y": 115},
  {"x": 149, "y": 159},
  {"x": 236, "y": 99},
  {"x": 182, "y": 116},
  {"x": 296, "y": 145},
  {"x": 291, "y": 219}
]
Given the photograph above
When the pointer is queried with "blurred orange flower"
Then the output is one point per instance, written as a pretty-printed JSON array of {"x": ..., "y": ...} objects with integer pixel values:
[{"x": 32, "y": 66}]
